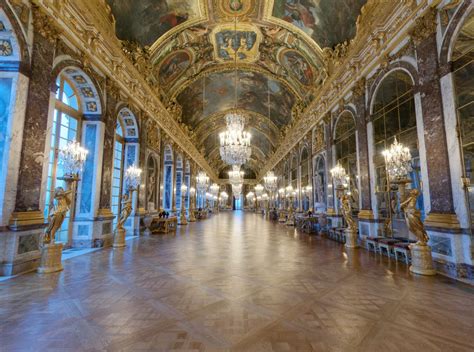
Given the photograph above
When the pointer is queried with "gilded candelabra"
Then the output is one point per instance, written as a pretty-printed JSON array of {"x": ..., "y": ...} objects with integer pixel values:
[
  {"x": 72, "y": 158},
  {"x": 132, "y": 182}
]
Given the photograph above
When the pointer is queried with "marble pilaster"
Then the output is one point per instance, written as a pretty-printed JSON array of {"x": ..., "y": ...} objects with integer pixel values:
[
  {"x": 28, "y": 210},
  {"x": 438, "y": 164}
]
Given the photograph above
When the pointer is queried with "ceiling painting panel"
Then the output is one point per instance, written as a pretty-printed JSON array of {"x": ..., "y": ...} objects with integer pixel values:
[
  {"x": 145, "y": 21},
  {"x": 327, "y": 22},
  {"x": 255, "y": 92},
  {"x": 174, "y": 65}
]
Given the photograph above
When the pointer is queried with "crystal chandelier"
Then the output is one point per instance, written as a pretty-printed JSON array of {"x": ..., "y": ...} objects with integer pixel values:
[
  {"x": 133, "y": 177},
  {"x": 214, "y": 189},
  {"x": 339, "y": 175},
  {"x": 235, "y": 175},
  {"x": 259, "y": 190},
  {"x": 237, "y": 190},
  {"x": 235, "y": 142},
  {"x": 270, "y": 182},
  {"x": 201, "y": 182},
  {"x": 397, "y": 161},
  {"x": 73, "y": 157}
]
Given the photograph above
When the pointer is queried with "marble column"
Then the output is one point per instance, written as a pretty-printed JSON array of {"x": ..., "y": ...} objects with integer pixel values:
[
  {"x": 366, "y": 214},
  {"x": 438, "y": 164},
  {"x": 449, "y": 242},
  {"x": 26, "y": 220},
  {"x": 28, "y": 210}
]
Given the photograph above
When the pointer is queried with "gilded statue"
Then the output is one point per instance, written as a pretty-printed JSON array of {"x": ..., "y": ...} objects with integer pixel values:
[
  {"x": 413, "y": 217},
  {"x": 347, "y": 213},
  {"x": 57, "y": 213},
  {"x": 126, "y": 210}
]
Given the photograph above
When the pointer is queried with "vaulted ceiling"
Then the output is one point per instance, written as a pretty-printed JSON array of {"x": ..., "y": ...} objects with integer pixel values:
[{"x": 264, "y": 58}]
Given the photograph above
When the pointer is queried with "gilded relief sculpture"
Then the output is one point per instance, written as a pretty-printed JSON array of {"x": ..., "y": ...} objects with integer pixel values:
[
  {"x": 352, "y": 227},
  {"x": 413, "y": 218},
  {"x": 421, "y": 259},
  {"x": 126, "y": 210}
]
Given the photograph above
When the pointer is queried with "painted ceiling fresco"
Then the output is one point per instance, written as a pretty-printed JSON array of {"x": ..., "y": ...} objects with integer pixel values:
[
  {"x": 145, "y": 21},
  {"x": 255, "y": 92},
  {"x": 328, "y": 22}
]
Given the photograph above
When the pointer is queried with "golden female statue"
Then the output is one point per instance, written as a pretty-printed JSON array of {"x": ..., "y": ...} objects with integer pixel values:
[
  {"x": 126, "y": 210},
  {"x": 347, "y": 213},
  {"x": 413, "y": 217},
  {"x": 57, "y": 213}
]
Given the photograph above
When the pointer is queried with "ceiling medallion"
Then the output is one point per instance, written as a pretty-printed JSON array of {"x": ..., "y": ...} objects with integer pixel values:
[
  {"x": 5, "y": 48},
  {"x": 239, "y": 42},
  {"x": 232, "y": 8}
]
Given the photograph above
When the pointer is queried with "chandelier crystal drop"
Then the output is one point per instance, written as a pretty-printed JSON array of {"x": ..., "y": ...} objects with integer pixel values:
[
  {"x": 397, "y": 161},
  {"x": 237, "y": 190},
  {"x": 235, "y": 142}
]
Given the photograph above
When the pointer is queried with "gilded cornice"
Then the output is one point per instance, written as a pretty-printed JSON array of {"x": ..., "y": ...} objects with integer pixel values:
[
  {"x": 83, "y": 29},
  {"x": 392, "y": 18}
]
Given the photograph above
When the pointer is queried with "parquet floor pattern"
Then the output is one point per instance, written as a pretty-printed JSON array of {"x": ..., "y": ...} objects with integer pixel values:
[{"x": 235, "y": 282}]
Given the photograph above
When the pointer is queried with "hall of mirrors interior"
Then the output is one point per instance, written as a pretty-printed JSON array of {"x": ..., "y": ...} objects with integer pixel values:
[{"x": 139, "y": 123}]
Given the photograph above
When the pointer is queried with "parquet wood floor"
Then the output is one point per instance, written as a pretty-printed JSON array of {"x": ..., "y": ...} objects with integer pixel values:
[{"x": 235, "y": 282}]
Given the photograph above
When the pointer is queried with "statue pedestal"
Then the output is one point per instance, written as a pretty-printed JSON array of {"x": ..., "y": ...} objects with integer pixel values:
[
  {"x": 51, "y": 258},
  {"x": 351, "y": 238},
  {"x": 182, "y": 219},
  {"x": 192, "y": 217},
  {"x": 281, "y": 218},
  {"x": 421, "y": 260},
  {"x": 291, "y": 220},
  {"x": 119, "y": 238},
  {"x": 147, "y": 220}
]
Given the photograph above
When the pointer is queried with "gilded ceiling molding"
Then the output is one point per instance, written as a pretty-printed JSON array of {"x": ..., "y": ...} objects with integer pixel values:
[
  {"x": 44, "y": 25},
  {"x": 365, "y": 52},
  {"x": 89, "y": 33},
  {"x": 425, "y": 26}
]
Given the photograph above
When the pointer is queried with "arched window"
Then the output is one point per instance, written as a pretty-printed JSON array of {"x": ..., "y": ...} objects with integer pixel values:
[
  {"x": 168, "y": 179},
  {"x": 179, "y": 180},
  {"x": 187, "y": 182},
  {"x": 394, "y": 116},
  {"x": 118, "y": 166},
  {"x": 294, "y": 179},
  {"x": 463, "y": 77},
  {"x": 346, "y": 152},
  {"x": 65, "y": 129}
]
